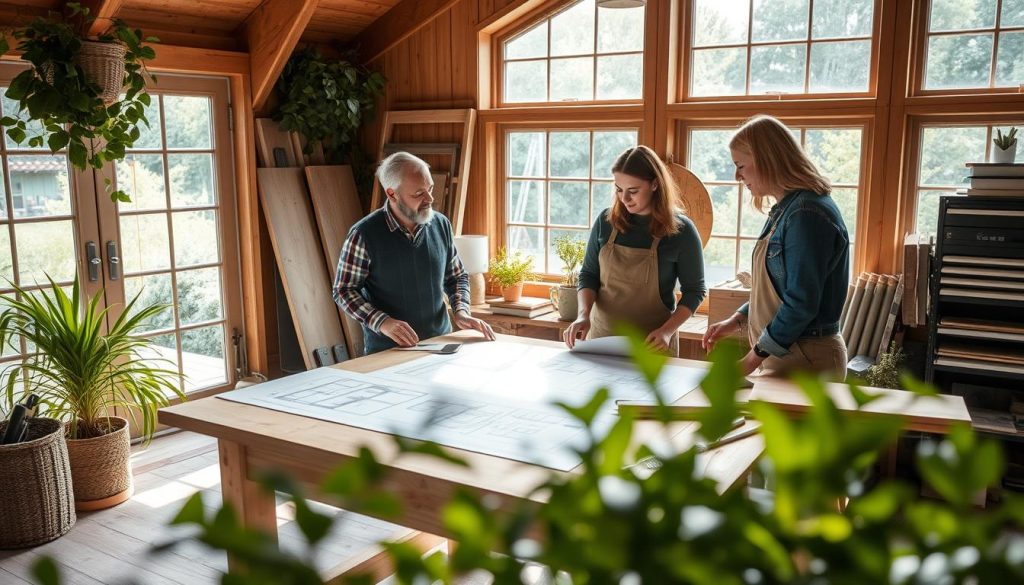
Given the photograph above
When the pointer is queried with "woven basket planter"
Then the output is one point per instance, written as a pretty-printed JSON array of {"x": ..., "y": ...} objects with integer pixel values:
[
  {"x": 103, "y": 65},
  {"x": 101, "y": 468},
  {"x": 37, "y": 504}
]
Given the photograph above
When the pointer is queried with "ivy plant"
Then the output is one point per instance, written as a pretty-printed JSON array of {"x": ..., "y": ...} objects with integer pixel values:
[
  {"x": 326, "y": 101},
  {"x": 60, "y": 108}
]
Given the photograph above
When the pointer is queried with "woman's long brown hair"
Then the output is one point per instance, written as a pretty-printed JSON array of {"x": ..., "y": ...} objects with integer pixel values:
[{"x": 642, "y": 162}]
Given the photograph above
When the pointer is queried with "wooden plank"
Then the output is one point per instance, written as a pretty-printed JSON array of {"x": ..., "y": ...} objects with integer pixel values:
[
  {"x": 922, "y": 413},
  {"x": 376, "y": 562},
  {"x": 336, "y": 208},
  {"x": 269, "y": 137},
  {"x": 397, "y": 25},
  {"x": 272, "y": 31},
  {"x": 179, "y": 59},
  {"x": 254, "y": 505},
  {"x": 300, "y": 260},
  {"x": 103, "y": 11}
]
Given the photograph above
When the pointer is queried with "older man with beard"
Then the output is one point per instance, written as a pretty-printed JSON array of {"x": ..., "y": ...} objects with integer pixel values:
[{"x": 399, "y": 262}]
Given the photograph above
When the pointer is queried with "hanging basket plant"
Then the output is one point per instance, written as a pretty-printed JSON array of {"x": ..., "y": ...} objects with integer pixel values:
[{"x": 84, "y": 95}]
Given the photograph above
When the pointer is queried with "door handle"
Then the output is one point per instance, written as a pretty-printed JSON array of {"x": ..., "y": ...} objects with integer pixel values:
[
  {"x": 92, "y": 260},
  {"x": 113, "y": 262}
]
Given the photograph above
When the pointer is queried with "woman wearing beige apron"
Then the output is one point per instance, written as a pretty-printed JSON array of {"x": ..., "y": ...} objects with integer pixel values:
[
  {"x": 639, "y": 249},
  {"x": 800, "y": 269}
]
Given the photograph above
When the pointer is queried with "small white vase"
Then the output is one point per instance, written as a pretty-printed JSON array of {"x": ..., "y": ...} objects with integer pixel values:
[{"x": 1001, "y": 156}]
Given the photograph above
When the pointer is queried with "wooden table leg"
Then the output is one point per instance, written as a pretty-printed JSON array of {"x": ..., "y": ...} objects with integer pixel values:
[{"x": 255, "y": 507}]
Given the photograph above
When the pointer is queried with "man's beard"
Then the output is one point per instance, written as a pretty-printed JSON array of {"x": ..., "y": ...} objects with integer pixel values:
[{"x": 414, "y": 215}]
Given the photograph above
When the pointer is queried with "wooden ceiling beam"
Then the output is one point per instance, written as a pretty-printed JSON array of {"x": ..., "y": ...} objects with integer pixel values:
[
  {"x": 396, "y": 25},
  {"x": 104, "y": 11},
  {"x": 271, "y": 32}
]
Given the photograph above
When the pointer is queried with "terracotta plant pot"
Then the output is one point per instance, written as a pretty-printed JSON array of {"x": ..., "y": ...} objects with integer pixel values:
[
  {"x": 512, "y": 293},
  {"x": 101, "y": 468}
]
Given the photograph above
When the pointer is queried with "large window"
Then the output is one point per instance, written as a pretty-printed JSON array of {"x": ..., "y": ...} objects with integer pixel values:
[
  {"x": 974, "y": 44},
  {"x": 757, "y": 47},
  {"x": 583, "y": 53},
  {"x": 557, "y": 183},
  {"x": 737, "y": 224},
  {"x": 940, "y": 171}
]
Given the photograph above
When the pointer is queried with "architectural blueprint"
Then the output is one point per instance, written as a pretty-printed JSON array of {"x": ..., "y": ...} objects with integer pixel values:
[{"x": 492, "y": 398}]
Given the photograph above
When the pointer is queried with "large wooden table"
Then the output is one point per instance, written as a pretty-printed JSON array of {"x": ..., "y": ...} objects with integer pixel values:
[{"x": 253, "y": 439}]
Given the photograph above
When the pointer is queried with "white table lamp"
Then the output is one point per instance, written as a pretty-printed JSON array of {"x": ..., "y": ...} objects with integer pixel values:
[{"x": 474, "y": 252}]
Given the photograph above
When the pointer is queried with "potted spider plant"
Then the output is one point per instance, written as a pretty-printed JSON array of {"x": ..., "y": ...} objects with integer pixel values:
[
  {"x": 510, "y": 271},
  {"x": 82, "y": 371},
  {"x": 570, "y": 250}
]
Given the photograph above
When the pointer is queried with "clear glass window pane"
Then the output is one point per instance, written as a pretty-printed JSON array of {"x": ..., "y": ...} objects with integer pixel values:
[
  {"x": 45, "y": 249},
  {"x": 150, "y": 137},
  {"x": 202, "y": 357},
  {"x": 526, "y": 154},
  {"x": 40, "y": 185},
  {"x": 191, "y": 181},
  {"x": 608, "y": 146},
  {"x": 572, "y": 30},
  {"x": 719, "y": 72},
  {"x": 725, "y": 204},
  {"x": 620, "y": 29},
  {"x": 526, "y": 81},
  {"x": 1013, "y": 13},
  {"x": 846, "y": 199},
  {"x": 840, "y": 67},
  {"x": 944, "y": 152},
  {"x": 620, "y": 77},
  {"x": 1010, "y": 61},
  {"x": 958, "y": 15},
  {"x": 6, "y": 259},
  {"x": 525, "y": 201},
  {"x": 570, "y": 203},
  {"x": 746, "y": 254},
  {"x": 195, "y": 238},
  {"x": 163, "y": 353},
  {"x": 154, "y": 289},
  {"x": 199, "y": 296},
  {"x": 572, "y": 79},
  {"x": 9, "y": 107},
  {"x": 958, "y": 61},
  {"x": 187, "y": 121},
  {"x": 141, "y": 176},
  {"x": 842, "y": 18},
  {"x": 570, "y": 154},
  {"x": 928, "y": 211},
  {"x": 719, "y": 260},
  {"x": 530, "y": 241},
  {"x": 720, "y": 22},
  {"x": 779, "y": 20},
  {"x": 709, "y": 155},
  {"x": 601, "y": 197},
  {"x": 777, "y": 68},
  {"x": 836, "y": 153},
  {"x": 530, "y": 44},
  {"x": 145, "y": 244},
  {"x": 751, "y": 220}
]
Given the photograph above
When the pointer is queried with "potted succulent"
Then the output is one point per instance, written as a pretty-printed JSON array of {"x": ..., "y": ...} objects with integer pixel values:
[
  {"x": 1006, "y": 146},
  {"x": 510, "y": 272},
  {"x": 570, "y": 250},
  {"x": 86, "y": 95},
  {"x": 81, "y": 373}
]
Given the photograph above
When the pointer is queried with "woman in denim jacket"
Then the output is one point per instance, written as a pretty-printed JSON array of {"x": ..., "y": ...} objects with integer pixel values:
[{"x": 801, "y": 262}]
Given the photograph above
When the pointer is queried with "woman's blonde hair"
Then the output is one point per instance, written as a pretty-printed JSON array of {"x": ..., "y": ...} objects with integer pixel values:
[
  {"x": 778, "y": 159},
  {"x": 643, "y": 163}
]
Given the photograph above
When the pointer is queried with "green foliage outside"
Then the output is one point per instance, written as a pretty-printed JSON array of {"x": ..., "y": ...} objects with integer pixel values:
[
  {"x": 570, "y": 250},
  {"x": 59, "y": 108},
  {"x": 510, "y": 269},
  {"x": 78, "y": 370},
  {"x": 612, "y": 523}
]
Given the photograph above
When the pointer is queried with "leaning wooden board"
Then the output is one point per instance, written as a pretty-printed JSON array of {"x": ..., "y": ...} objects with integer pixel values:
[
  {"x": 299, "y": 259},
  {"x": 932, "y": 414},
  {"x": 336, "y": 207}
]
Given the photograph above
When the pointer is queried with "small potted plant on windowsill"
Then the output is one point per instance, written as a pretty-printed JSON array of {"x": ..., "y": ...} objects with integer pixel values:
[
  {"x": 510, "y": 271},
  {"x": 85, "y": 95},
  {"x": 1005, "y": 150},
  {"x": 570, "y": 250},
  {"x": 81, "y": 373}
]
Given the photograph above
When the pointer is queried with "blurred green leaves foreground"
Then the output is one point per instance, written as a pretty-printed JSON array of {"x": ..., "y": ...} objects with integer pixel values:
[{"x": 828, "y": 519}]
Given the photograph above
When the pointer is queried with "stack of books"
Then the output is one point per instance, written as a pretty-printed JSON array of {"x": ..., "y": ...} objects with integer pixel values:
[
  {"x": 994, "y": 180},
  {"x": 917, "y": 253},
  {"x": 528, "y": 307}
]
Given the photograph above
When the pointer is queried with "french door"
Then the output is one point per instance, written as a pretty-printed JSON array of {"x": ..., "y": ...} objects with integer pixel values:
[{"x": 175, "y": 243}]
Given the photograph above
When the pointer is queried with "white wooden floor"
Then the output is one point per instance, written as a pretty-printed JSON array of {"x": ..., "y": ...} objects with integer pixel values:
[{"x": 112, "y": 546}]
